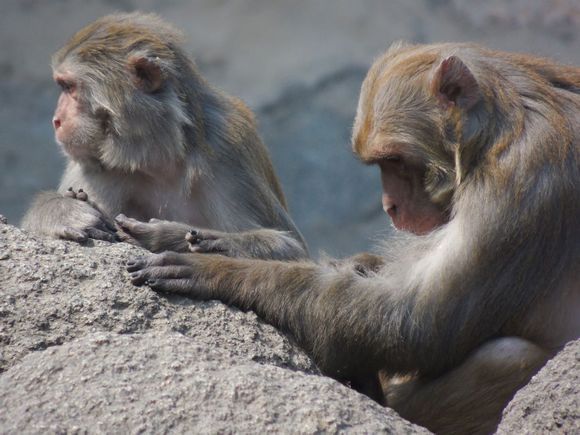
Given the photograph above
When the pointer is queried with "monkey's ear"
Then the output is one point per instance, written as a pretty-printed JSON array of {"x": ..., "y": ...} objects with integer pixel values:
[
  {"x": 146, "y": 73},
  {"x": 454, "y": 85}
]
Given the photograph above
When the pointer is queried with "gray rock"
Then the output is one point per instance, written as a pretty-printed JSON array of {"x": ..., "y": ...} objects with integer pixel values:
[
  {"x": 550, "y": 403},
  {"x": 163, "y": 381},
  {"x": 82, "y": 350},
  {"x": 53, "y": 291}
]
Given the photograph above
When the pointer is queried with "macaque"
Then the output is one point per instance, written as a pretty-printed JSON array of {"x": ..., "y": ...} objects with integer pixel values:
[
  {"x": 147, "y": 137},
  {"x": 479, "y": 155}
]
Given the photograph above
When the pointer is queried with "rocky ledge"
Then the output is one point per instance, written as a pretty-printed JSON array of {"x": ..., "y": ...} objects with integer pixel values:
[{"x": 82, "y": 350}]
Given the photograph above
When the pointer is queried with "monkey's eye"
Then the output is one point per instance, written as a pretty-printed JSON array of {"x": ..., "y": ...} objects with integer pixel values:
[{"x": 66, "y": 86}]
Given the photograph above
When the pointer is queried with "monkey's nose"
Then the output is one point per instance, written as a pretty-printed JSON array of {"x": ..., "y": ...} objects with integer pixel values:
[
  {"x": 389, "y": 206},
  {"x": 56, "y": 123},
  {"x": 391, "y": 211}
]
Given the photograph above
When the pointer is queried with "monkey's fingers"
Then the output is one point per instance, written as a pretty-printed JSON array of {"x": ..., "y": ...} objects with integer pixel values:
[
  {"x": 129, "y": 225},
  {"x": 122, "y": 236},
  {"x": 136, "y": 263},
  {"x": 70, "y": 233},
  {"x": 181, "y": 286},
  {"x": 70, "y": 193},
  {"x": 82, "y": 195},
  {"x": 164, "y": 259},
  {"x": 194, "y": 236},
  {"x": 142, "y": 276},
  {"x": 209, "y": 247},
  {"x": 107, "y": 225},
  {"x": 97, "y": 234}
]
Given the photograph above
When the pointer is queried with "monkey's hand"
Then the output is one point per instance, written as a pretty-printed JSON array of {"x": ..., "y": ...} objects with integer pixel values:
[
  {"x": 156, "y": 235},
  {"x": 68, "y": 216},
  {"x": 262, "y": 243},
  {"x": 84, "y": 220},
  {"x": 172, "y": 272},
  {"x": 213, "y": 242},
  {"x": 364, "y": 264}
]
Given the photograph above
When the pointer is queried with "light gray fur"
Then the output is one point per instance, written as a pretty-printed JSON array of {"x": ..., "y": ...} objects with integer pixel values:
[{"x": 186, "y": 154}]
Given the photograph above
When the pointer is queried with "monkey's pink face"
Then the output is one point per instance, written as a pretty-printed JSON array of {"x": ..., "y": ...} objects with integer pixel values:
[
  {"x": 74, "y": 128},
  {"x": 405, "y": 199}
]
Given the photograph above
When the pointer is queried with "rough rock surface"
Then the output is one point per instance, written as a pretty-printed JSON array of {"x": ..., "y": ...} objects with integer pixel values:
[
  {"x": 82, "y": 350},
  {"x": 550, "y": 403}
]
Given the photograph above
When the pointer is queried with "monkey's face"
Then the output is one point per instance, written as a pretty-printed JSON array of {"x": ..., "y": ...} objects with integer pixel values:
[
  {"x": 77, "y": 129},
  {"x": 404, "y": 142},
  {"x": 420, "y": 117},
  {"x": 404, "y": 197},
  {"x": 124, "y": 101}
]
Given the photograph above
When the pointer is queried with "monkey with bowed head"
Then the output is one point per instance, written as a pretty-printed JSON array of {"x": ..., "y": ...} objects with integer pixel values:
[
  {"x": 147, "y": 137},
  {"x": 479, "y": 155}
]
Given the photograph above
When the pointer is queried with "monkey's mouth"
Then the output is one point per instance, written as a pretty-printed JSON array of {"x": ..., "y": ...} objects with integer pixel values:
[
  {"x": 397, "y": 220},
  {"x": 417, "y": 223}
]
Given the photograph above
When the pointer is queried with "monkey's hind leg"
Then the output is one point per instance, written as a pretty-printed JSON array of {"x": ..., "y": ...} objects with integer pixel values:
[{"x": 470, "y": 398}]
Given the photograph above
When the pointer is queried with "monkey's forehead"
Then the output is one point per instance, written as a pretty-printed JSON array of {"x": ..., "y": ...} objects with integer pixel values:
[{"x": 120, "y": 35}]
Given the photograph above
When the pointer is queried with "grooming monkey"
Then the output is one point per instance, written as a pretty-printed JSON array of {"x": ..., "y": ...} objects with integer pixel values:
[
  {"x": 479, "y": 155},
  {"x": 147, "y": 137}
]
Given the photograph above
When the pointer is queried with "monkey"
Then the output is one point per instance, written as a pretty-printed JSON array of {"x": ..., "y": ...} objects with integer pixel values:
[
  {"x": 149, "y": 141},
  {"x": 479, "y": 157}
]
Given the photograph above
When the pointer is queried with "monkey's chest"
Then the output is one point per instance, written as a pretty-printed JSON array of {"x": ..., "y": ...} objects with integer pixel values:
[{"x": 167, "y": 204}]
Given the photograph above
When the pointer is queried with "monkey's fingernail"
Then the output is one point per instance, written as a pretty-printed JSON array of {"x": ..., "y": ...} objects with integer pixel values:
[
  {"x": 135, "y": 275},
  {"x": 151, "y": 282},
  {"x": 134, "y": 261},
  {"x": 193, "y": 232}
]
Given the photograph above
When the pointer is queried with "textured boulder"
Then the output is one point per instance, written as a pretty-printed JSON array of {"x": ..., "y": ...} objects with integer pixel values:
[
  {"x": 84, "y": 350},
  {"x": 155, "y": 382},
  {"x": 550, "y": 403}
]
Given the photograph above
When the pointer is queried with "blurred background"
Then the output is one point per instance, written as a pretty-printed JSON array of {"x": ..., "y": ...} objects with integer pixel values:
[{"x": 298, "y": 64}]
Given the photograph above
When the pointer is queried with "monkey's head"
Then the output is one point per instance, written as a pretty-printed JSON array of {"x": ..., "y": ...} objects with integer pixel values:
[
  {"x": 419, "y": 118},
  {"x": 124, "y": 84}
]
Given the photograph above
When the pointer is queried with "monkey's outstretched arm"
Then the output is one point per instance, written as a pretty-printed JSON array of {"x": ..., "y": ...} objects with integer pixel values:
[
  {"x": 160, "y": 235},
  {"x": 349, "y": 323},
  {"x": 68, "y": 216}
]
